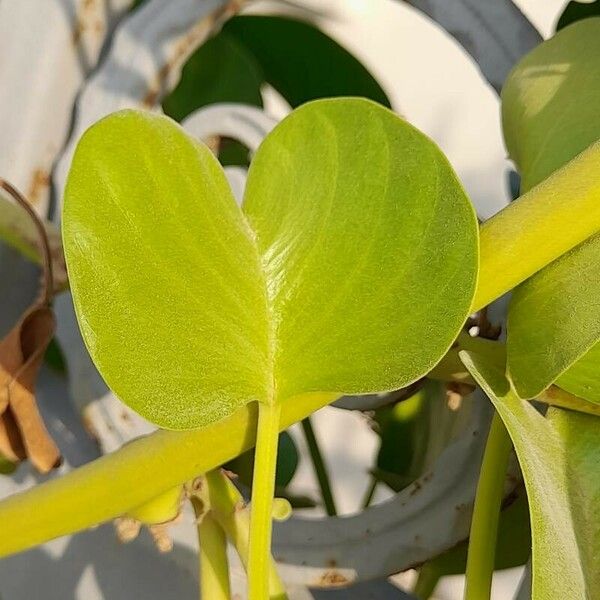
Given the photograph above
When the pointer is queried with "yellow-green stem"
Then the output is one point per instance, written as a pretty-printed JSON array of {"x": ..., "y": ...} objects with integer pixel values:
[
  {"x": 229, "y": 509},
  {"x": 427, "y": 581},
  {"x": 261, "y": 508},
  {"x": 534, "y": 230},
  {"x": 486, "y": 512},
  {"x": 110, "y": 486},
  {"x": 212, "y": 544}
]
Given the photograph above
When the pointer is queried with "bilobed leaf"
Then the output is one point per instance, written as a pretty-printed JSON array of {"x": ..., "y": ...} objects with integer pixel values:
[
  {"x": 164, "y": 273},
  {"x": 301, "y": 62},
  {"x": 352, "y": 269},
  {"x": 550, "y": 102},
  {"x": 554, "y": 319},
  {"x": 368, "y": 244},
  {"x": 559, "y": 456},
  {"x": 221, "y": 70}
]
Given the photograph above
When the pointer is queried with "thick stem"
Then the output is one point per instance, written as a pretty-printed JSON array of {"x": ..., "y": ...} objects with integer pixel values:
[
  {"x": 229, "y": 509},
  {"x": 486, "y": 512},
  {"x": 537, "y": 228},
  {"x": 141, "y": 470},
  {"x": 319, "y": 466},
  {"x": 514, "y": 244},
  {"x": 261, "y": 508},
  {"x": 214, "y": 566}
]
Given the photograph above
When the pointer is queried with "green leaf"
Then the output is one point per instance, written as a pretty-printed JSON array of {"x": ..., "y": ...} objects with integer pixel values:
[
  {"x": 583, "y": 378},
  {"x": 550, "y": 102},
  {"x": 221, "y": 70},
  {"x": 559, "y": 456},
  {"x": 164, "y": 273},
  {"x": 6, "y": 466},
  {"x": 413, "y": 433},
  {"x": 369, "y": 246},
  {"x": 352, "y": 272},
  {"x": 253, "y": 50},
  {"x": 403, "y": 429},
  {"x": 55, "y": 358},
  {"x": 232, "y": 152},
  {"x": 550, "y": 115},
  {"x": 301, "y": 62},
  {"x": 554, "y": 319},
  {"x": 575, "y": 11}
]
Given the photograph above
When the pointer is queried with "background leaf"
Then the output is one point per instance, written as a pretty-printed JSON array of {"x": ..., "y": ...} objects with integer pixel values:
[
  {"x": 575, "y": 11},
  {"x": 164, "y": 273},
  {"x": 301, "y": 62},
  {"x": 554, "y": 319},
  {"x": 403, "y": 429},
  {"x": 550, "y": 114},
  {"x": 414, "y": 432},
  {"x": 251, "y": 51},
  {"x": 559, "y": 457},
  {"x": 369, "y": 246},
  {"x": 550, "y": 102},
  {"x": 583, "y": 378},
  {"x": 221, "y": 70}
]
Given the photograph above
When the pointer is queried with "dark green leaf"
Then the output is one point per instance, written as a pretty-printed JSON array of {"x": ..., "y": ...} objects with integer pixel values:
[
  {"x": 575, "y": 11},
  {"x": 302, "y": 62},
  {"x": 221, "y": 70},
  {"x": 404, "y": 432},
  {"x": 55, "y": 358},
  {"x": 6, "y": 466}
]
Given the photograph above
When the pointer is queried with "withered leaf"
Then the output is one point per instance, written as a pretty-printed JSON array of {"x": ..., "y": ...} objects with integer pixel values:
[{"x": 22, "y": 430}]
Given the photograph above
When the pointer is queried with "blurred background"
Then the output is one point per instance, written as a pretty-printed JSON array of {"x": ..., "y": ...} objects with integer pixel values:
[{"x": 428, "y": 77}]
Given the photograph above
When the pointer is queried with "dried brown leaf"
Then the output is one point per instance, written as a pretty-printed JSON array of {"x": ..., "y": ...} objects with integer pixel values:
[{"x": 22, "y": 430}]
